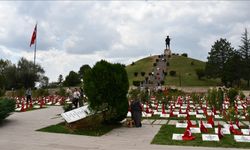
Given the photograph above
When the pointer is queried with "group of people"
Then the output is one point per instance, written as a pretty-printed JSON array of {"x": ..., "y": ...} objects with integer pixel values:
[{"x": 76, "y": 96}]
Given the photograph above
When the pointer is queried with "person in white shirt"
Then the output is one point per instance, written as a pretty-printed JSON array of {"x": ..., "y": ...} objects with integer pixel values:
[{"x": 76, "y": 96}]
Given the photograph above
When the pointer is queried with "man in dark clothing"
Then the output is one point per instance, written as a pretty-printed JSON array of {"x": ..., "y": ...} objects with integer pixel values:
[{"x": 136, "y": 111}]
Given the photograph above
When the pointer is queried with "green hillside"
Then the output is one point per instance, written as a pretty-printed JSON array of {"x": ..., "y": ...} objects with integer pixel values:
[
  {"x": 185, "y": 71},
  {"x": 142, "y": 65}
]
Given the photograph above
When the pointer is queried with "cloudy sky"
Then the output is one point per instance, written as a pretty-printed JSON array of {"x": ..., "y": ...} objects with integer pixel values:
[{"x": 71, "y": 34}]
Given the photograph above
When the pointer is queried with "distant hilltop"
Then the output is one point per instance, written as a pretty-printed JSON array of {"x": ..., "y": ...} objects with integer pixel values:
[{"x": 180, "y": 71}]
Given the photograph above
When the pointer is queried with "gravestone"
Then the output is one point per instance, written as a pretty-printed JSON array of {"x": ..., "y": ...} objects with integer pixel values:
[
  {"x": 177, "y": 137},
  {"x": 245, "y": 131},
  {"x": 195, "y": 130},
  {"x": 181, "y": 125},
  {"x": 241, "y": 138},
  {"x": 210, "y": 137},
  {"x": 224, "y": 130}
]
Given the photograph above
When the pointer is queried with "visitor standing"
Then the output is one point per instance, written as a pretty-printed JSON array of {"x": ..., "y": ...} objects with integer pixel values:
[
  {"x": 76, "y": 97},
  {"x": 28, "y": 95},
  {"x": 81, "y": 97},
  {"x": 136, "y": 112}
]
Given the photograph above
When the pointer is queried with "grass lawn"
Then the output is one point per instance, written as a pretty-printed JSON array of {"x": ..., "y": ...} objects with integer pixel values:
[
  {"x": 185, "y": 72},
  {"x": 164, "y": 137},
  {"x": 93, "y": 131}
]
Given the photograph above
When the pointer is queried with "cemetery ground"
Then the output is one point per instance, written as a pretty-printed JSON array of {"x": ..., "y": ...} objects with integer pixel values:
[{"x": 18, "y": 132}]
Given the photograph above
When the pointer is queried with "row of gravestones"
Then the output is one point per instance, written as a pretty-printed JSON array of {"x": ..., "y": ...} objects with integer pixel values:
[{"x": 244, "y": 137}]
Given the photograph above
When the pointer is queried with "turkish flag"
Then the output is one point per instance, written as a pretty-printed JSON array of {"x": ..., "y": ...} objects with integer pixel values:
[
  {"x": 33, "y": 38},
  {"x": 220, "y": 133}
]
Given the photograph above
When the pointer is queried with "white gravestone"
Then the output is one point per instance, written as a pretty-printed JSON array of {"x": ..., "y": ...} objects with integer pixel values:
[
  {"x": 240, "y": 107},
  {"x": 228, "y": 126},
  {"x": 164, "y": 115},
  {"x": 224, "y": 130},
  {"x": 76, "y": 114},
  {"x": 177, "y": 106},
  {"x": 183, "y": 107},
  {"x": 157, "y": 113},
  {"x": 245, "y": 131},
  {"x": 146, "y": 115},
  {"x": 206, "y": 125},
  {"x": 182, "y": 115},
  {"x": 192, "y": 113},
  {"x": 175, "y": 112},
  {"x": 217, "y": 116},
  {"x": 200, "y": 116},
  {"x": 200, "y": 111},
  {"x": 195, "y": 130},
  {"x": 241, "y": 138},
  {"x": 210, "y": 137},
  {"x": 177, "y": 137},
  {"x": 181, "y": 125},
  {"x": 242, "y": 117}
]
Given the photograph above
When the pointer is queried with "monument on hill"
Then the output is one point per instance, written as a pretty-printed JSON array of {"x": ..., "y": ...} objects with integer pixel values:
[{"x": 167, "y": 51}]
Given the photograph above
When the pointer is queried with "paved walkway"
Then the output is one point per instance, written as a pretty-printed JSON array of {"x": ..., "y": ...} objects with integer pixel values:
[{"x": 18, "y": 133}]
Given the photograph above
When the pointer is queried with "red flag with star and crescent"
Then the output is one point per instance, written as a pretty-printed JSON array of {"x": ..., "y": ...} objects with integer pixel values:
[{"x": 33, "y": 38}]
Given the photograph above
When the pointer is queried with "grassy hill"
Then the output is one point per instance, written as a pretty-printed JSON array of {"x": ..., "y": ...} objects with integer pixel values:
[
  {"x": 185, "y": 71},
  {"x": 142, "y": 65}
]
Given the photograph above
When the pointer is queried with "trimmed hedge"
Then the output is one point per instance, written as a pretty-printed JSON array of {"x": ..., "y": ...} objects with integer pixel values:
[
  {"x": 172, "y": 73},
  {"x": 6, "y": 107},
  {"x": 136, "y": 83}
]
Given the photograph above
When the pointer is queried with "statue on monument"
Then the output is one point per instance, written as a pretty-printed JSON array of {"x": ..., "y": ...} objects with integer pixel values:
[
  {"x": 167, "y": 40},
  {"x": 167, "y": 51}
]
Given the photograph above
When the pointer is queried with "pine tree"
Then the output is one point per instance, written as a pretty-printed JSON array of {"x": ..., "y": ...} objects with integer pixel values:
[
  {"x": 220, "y": 52},
  {"x": 244, "y": 50}
]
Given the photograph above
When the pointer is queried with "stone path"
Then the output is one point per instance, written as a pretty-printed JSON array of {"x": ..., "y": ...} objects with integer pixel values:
[{"x": 18, "y": 133}]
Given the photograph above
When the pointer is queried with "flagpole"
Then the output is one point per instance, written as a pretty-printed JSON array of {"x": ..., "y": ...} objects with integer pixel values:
[{"x": 35, "y": 48}]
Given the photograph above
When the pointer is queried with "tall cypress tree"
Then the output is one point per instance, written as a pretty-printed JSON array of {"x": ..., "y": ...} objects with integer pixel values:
[{"x": 244, "y": 50}]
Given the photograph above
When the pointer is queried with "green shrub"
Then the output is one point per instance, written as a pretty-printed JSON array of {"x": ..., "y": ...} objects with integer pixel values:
[
  {"x": 242, "y": 95},
  {"x": 184, "y": 55},
  {"x": 172, "y": 73},
  {"x": 106, "y": 86},
  {"x": 67, "y": 107},
  {"x": 61, "y": 91},
  {"x": 6, "y": 107},
  {"x": 2, "y": 92},
  {"x": 232, "y": 93},
  {"x": 135, "y": 74},
  {"x": 200, "y": 73},
  {"x": 136, "y": 83}
]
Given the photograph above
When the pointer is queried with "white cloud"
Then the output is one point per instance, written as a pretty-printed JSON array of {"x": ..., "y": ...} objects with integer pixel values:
[{"x": 71, "y": 34}]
